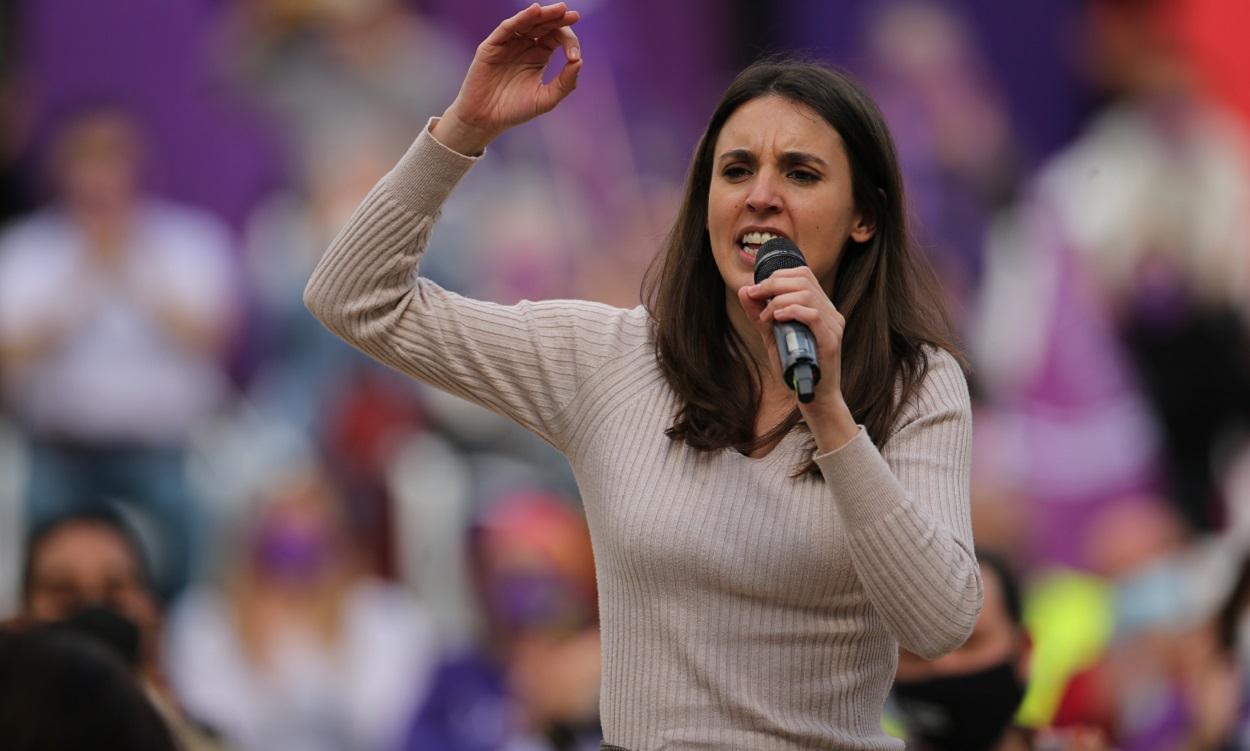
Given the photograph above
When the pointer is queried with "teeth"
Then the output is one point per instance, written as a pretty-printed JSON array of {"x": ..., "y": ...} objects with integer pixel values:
[{"x": 757, "y": 238}]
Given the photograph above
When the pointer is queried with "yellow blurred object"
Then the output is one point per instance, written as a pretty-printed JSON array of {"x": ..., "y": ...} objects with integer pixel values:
[{"x": 1070, "y": 616}]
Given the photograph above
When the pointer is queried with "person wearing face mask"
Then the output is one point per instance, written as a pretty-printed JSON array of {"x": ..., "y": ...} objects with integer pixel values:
[
  {"x": 301, "y": 648},
  {"x": 966, "y": 700},
  {"x": 86, "y": 573},
  {"x": 759, "y": 559},
  {"x": 532, "y": 680},
  {"x": 89, "y": 567}
]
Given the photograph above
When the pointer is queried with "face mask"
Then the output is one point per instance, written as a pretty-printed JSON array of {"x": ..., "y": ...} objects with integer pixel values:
[
  {"x": 1151, "y": 599},
  {"x": 295, "y": 554},
  {"x": 537, "y": 600},
  {"x": 961, "y": 712},
  {"x": 108, "y": 627}
]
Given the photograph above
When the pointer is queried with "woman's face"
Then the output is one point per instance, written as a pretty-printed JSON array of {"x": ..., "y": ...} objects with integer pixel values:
[{"x": 780, "y": 169}]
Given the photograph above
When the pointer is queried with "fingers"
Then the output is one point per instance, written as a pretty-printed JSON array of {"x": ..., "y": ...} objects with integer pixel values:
[
  {"x": 509, "y": 28},
  {"x": 793, "y": 312},
  {"x": 786, "y": 280},
  {"x": 563, "y": 37},
  {"x": 561, "y": 86},
  {"x": 802, "y": 297},
  {"x": 805, "y": 302},
  {"x": 532, "y": 22},
  {"x": 563, "y": 22},
  {"x": 751, "y": 303},
  {"x": 550, "y": 94},
  {"x": 792, "y": 287},
  {"x": 754, "y": 308}
]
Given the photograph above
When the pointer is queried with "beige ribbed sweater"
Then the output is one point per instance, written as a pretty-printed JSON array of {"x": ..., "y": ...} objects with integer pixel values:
[{"x": 741, "y": 608}]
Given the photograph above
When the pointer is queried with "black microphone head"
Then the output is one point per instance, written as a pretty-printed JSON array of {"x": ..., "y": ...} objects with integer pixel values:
[{"x": 777, "y": 253}]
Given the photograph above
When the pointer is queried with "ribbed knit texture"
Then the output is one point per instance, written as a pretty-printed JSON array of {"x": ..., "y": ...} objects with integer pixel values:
[{"x": 741, "y": 608}]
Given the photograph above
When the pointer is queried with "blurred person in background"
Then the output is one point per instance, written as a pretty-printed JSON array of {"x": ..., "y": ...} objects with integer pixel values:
[
  {"x": 533, "y": 682},
  {"x": 114, "y": 309},
  {"x": 301, "y": 367},
  {"x": 306, "y": 378},
  {"x": 88, "y": 572},
  {"x": 953, "y": 132},
  {"x": 966, "y": 700},
  {"x": 1154, "y": 200},
  {"x": 1112, "y": 327},
  {"x": 1161, "y": 683},
  {"x": 301, "y": 648},
  {"x": 323, "y": 67},
  {"x": 723, "y": 511},
  {"x": 64, "y": 691},
  {"x": 93, "y": 559},
  {"x": 338, "y": 79}
]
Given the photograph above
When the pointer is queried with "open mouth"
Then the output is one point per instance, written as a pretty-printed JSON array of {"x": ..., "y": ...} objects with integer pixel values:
[{"x": 750, "y": 242}]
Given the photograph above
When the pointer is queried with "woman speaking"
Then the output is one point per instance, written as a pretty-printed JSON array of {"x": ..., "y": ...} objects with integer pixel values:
[{"x": 760, "y": 558}]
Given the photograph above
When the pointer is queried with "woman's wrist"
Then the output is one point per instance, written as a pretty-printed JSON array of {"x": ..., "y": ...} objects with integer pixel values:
[
  {"x": 833, "y": 428},
  {"x": 459, "y": 136}
]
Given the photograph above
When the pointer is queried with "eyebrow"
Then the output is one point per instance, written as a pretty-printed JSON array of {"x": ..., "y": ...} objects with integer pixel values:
[{"x": 791, "y": 157}]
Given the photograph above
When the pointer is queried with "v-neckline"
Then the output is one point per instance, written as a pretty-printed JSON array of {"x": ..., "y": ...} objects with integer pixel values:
[{"x": 778, "y": 448}]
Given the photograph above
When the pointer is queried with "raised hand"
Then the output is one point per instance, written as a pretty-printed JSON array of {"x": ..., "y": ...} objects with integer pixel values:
[{"x": 504, "y": 86}]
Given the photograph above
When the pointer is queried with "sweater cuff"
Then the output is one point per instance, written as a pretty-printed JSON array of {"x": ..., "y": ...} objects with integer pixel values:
[
  {"x": 862, "y": 482},
  {"x": 427, "y": 173}
]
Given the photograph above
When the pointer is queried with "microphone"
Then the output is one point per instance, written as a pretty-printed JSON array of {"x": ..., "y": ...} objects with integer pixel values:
[{"x": 795, "y": 345}]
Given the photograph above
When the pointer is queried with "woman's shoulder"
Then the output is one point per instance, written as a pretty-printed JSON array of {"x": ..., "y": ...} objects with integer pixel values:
[
  {"x": 942, "y": 364},
  {"x": 941, "y": 388}
]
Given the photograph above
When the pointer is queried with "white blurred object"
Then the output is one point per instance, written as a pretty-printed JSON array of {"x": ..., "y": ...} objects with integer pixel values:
[
  {"x": 1145, "y": 179},
  {"x": 466, "y": 420},
  {"x": 355, "y": 694},
  {"x": 431, "y": 486},
  {"x": 116, "y": 376},
  {"x": 1008, "y": 340},
  {"x": 1036, "y": 322}
]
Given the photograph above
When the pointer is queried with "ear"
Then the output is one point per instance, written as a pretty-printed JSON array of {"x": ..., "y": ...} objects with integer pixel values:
[{"x": 864, "y": 227}]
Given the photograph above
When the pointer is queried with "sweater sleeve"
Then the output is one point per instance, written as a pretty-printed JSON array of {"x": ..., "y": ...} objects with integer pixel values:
[
  {"x": 907, "y": 512},
  {"x": 523, "y": 361}
]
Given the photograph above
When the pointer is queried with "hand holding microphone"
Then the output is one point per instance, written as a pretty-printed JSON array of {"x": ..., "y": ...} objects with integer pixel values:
[
  {"x": 796, "y": 348},
  {"x": 797, "y": 318}
]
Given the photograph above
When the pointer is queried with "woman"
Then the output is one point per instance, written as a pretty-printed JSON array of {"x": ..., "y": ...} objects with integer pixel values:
[{"x": 759, "y": 561}]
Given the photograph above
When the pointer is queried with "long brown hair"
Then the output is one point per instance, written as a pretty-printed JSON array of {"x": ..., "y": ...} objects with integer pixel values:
[{"x": 886, "y": 290}]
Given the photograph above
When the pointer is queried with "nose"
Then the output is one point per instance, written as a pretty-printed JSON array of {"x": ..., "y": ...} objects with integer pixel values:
[{"x": 764, "y": 197}]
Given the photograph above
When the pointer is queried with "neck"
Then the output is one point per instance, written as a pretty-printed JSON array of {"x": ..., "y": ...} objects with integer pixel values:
[{"x": 105, "y": 230}]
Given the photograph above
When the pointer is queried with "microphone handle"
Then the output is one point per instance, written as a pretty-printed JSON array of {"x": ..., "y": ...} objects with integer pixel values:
[{"x": 797, "y": 351}]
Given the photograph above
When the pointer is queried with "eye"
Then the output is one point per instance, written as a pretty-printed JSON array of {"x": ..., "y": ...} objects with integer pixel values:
[
  {"x": 804, "y": 176},
  {"x": 735, "y": 172}
]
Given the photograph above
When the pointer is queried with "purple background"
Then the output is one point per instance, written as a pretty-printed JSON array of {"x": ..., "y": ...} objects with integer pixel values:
[{"x": 669, "y": 61}]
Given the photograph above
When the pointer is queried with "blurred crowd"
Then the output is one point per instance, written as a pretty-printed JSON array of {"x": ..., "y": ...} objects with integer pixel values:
[{"x": 250, "y": 537}]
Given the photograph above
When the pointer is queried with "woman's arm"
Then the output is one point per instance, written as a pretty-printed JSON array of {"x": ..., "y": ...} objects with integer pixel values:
[
  {"x": 525, "y": 361},
  {"x": 907, "y": 511}
]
